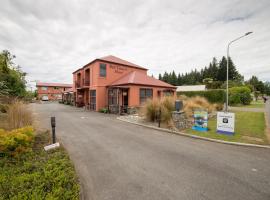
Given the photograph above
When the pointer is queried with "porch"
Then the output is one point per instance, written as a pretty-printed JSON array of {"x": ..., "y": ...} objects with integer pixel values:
[{"x": 118, "y": 99}]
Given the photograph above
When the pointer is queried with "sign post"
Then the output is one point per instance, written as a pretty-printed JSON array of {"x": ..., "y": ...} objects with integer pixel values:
[{"x": 225, "y": 123}]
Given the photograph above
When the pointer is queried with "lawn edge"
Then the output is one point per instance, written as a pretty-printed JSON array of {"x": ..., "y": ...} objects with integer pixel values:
[{"x": 196, "y": 136}]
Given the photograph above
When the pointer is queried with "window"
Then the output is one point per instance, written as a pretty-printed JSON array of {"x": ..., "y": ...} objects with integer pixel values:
[
  {"x": 102, "y": 70},
  {"x": 145, "y": 94},
  {"x": 92, "y": 99},
  {"x": 44, "y": 88},
  {"x": 56, "y": 88}
]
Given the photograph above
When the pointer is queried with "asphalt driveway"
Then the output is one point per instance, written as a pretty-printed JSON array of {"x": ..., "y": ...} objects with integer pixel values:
[{"x": 121, "y": 161}]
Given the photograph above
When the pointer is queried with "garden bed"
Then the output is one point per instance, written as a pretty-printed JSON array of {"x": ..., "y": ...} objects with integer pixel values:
[{"x": 38, "y": 174}]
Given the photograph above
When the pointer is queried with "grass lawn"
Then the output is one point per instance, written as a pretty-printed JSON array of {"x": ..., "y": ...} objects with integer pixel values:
[
  {"x": 38, "y": 174},
  {"x": 253, "y": 104},
  {"x": 249, "y": 128}
]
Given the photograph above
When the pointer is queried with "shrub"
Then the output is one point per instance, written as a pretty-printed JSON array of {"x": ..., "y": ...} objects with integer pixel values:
[
  {"x": 167, "y": 107},
  {"x": 150, "y": 109},
  {"x": 213, "y": 96},
  {"x": 153, "y": 107},
  {"x": 103, "y": 110},
  {"x": 240, "y": 95},
  {"x": 39, "y": 174},
  {"x": 3, "y": 108},
  {"x": 190, "y": 104},
  {"x": 16, "y": 141},
  {"x": 19, "y": 115}
]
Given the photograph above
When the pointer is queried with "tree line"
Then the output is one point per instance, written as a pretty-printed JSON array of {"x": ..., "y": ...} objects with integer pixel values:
[{"x": 214, "y": 77}]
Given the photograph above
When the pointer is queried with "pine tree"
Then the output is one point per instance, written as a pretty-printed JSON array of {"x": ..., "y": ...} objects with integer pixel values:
[{"x": 160, "y": 77}]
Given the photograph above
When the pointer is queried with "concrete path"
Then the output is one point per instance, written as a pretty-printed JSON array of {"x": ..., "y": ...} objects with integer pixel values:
[
  {"x": 121, "y": 161},
  {"x": 243, "y": 109}
]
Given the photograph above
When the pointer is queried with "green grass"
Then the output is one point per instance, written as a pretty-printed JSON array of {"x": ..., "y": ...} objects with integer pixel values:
[
  {"x": 253, "y": 104},
  {"x": 249, "y": 128},
  {"x": 38, "y": 174}
]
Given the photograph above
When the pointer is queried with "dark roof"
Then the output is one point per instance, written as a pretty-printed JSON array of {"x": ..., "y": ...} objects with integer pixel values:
[{"x": 139, "y": 78}]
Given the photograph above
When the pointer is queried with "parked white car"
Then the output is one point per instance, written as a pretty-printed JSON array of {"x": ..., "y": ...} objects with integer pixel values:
[{"x": 45, "y": 98}]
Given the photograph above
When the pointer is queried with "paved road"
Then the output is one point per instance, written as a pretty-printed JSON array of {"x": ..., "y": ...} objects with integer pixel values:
[{"x": 121, "y": 161}]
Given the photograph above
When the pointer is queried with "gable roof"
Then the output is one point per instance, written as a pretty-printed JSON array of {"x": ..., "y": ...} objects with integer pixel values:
[
  {"x": 54, "y": 84},
  {"x": 139, "y": 78},
  {"x": 115, "y": 60}
]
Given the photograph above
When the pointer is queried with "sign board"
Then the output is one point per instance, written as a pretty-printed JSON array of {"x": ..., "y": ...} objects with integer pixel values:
[
  {"x": 52, "y": 146},
  {"x": 225, "y": 123},
  {"x": 200, "y": 120}
]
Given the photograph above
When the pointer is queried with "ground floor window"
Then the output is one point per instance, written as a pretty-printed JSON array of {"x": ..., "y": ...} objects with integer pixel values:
[
  {"x": 145, "y": 93},
  {"x": 92, "y": 99}
]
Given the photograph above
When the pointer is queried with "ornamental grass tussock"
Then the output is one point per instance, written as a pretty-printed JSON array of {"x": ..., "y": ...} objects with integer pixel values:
[{"x": 19, "y": 115}]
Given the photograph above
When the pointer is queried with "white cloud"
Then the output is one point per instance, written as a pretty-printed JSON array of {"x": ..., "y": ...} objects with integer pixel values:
[{"x": 51, "y": 39}]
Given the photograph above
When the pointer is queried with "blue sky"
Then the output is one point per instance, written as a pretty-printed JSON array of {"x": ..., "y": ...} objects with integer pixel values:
[{"x": 51, "y": 39}]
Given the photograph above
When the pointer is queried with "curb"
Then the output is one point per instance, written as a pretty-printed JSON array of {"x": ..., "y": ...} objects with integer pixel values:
[{"x": 196, "y": 136}]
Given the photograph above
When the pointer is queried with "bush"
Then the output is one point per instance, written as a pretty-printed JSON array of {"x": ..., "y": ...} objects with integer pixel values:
[
  {"x": 19, "y": 115},
  {"x": 16, "y": 141},
  {"x": 152, "y": 107},
  {"x": 213, "y": 96},
  {"x": 3, "y": 108},
  {"x": 38, "y": 174},
  {"x": 103, "y": 110},
  {"x": 190, "y": 104},
  {"x": 167, "y": 107},
  {"x": 240, "y": 95}
]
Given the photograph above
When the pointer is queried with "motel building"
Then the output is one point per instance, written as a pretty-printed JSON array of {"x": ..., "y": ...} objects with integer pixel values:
[
  {"x": 51, "y": 91},
  {"x": 118, "y": 85}
]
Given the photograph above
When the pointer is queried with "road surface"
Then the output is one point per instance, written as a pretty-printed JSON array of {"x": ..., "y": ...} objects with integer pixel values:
[{"x": 120, "y": 161}]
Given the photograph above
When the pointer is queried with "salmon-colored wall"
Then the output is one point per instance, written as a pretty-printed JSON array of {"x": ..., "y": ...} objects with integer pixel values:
[
  {"x": 50, "y": 92},
  {"x": 134, "y": 94}
]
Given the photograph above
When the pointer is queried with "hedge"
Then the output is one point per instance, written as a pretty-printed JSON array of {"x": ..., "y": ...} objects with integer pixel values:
[{"x": 213, "y": 96}]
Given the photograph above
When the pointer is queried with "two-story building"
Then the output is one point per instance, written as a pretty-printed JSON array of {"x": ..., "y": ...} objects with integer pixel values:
[
  {"x": 51, "y": 91},
  {"x": 116, "y": 84}
]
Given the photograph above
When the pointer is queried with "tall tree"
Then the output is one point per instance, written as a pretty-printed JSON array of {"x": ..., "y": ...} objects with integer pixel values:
[{"x": 11, "y": 76}]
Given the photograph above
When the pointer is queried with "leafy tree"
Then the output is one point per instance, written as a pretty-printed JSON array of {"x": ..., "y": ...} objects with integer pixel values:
[
  {"x": 11, "y": 76},
  {"x": 267, "y": 88},
  {"x": 256, "y": 83}
]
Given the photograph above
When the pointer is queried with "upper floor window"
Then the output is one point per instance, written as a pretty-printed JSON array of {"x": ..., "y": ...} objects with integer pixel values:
[
  {"x": 145, "y": 94},
  {"x": 44, "y": 88},
  {"x": 56, "y": 88},
  {"x": 102, "y": 70}
]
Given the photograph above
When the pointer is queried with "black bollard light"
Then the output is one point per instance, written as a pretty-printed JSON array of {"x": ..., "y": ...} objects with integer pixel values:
[{"x": 53, "y": 123}]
